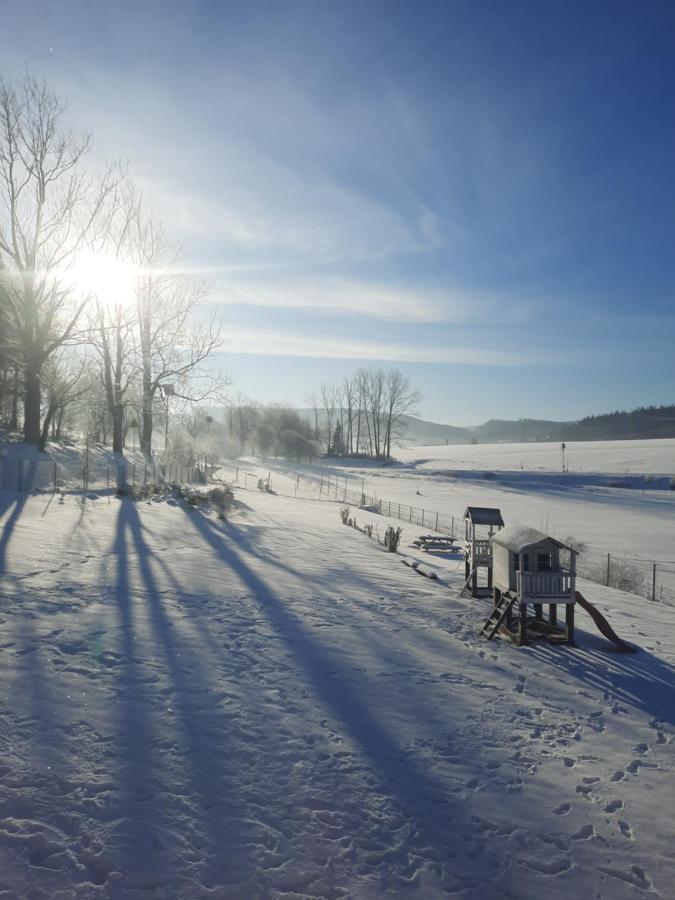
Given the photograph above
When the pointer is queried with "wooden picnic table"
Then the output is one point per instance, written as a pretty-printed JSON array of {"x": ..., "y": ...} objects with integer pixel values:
[{"x": 436, "y": 542}]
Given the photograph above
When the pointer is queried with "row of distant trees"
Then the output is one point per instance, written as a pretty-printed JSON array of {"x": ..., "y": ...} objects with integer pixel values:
[
  {"x": 360, "y": 416},
  {"x": 64, "y": 349}
]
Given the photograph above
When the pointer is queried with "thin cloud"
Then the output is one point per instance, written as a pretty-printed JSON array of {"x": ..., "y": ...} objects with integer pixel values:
[{"x": 274, "y": 343}]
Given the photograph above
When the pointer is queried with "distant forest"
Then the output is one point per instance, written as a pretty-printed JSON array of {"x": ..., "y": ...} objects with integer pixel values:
[{"x": 643, "y": 422}]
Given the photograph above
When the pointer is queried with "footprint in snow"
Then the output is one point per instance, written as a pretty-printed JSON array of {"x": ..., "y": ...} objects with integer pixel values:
[
  {"x": 563, "y": 809},
  {"x": 626, "y": 830},
  {"x": 636, "y": 876},
  {"x": 613, "y": 806}
]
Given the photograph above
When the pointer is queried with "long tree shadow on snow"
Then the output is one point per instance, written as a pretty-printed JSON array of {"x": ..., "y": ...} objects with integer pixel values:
[
  {"x": 156, "y": 727},
  {"x": 9, "y": 499},
  {"x": 433, "y": 809}
]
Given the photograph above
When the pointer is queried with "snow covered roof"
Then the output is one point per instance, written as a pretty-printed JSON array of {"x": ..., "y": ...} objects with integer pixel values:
[
  {"x": 484, "y": 515},
  {"x": 519, "y": 537}
]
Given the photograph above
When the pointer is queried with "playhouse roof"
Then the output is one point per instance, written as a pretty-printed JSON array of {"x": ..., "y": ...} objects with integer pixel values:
[
  {"x": 520, "y": 537},
  {"x": 484, "y": 515}
]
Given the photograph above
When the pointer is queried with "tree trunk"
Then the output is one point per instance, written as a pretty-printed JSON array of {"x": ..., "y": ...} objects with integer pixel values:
[
  {"x": 46, "y": 425},
  {"x": 118, "y": 428},
  {"x": 31, "y": 414},
  {"x": 14, "y": 415}
]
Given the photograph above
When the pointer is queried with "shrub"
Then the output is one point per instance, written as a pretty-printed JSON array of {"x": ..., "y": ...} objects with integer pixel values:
[
  {"x": 344, "y": 515},
  {"x": 222, "y": 499},
  {"x": 392, "y": 538},
  {"x": 140, "y": 491},
  {"x": 368, "y": 530},
  {"x": 623, "y": 575}
]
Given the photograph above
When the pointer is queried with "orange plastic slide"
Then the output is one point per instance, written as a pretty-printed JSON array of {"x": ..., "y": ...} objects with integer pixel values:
[{"x": 603, "y": 625}]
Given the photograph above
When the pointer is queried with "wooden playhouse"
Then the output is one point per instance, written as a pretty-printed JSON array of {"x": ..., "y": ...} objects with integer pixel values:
[{"x": 530, "y": 571}]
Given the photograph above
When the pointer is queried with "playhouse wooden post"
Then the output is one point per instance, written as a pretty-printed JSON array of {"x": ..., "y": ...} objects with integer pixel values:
[
  {"x": 553, "y": 614},
  {"x": 538, "y": 611},
  {"x": 523, "y": 624},
  {"x": 569, "y": 618}
]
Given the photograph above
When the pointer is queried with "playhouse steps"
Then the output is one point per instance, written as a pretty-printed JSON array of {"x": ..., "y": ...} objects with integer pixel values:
[{"x": 499, "y": 613}]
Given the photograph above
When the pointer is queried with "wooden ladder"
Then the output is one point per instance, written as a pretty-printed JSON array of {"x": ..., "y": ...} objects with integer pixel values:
[{"x": 498, "y": 615}]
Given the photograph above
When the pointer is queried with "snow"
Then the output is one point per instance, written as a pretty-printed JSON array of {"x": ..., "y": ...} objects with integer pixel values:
[
  {"x": 610, "y": 457},
  {"x": 634, "y": 526},
  {"x": 276, "y": 707}
]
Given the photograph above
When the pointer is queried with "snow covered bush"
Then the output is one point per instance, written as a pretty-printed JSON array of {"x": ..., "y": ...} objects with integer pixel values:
[
  {"x": 344, "y": 515},
  {"x": 392, "y": 538},
  {"x": 221, "y": 499}
]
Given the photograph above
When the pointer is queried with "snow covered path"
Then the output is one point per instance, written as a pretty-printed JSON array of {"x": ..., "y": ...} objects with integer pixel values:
[{"x": 277, "y": 708}]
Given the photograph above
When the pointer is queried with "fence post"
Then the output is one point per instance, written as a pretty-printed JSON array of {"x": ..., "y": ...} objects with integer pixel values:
[
  {"x": 653, "y": 582},
  {"x": 436, "y": 529},
  {"x": 608, "y": 570},
  {"x": 399, "y": 511},
  {"x": 422, "y": 518},
  {"x": 410, "y": 516},
  {"x": 452, "y": 528}
]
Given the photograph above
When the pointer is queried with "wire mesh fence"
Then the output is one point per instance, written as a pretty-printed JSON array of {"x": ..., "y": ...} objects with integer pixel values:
[
  {"x": 91, "y": 475},
  {"x": 649, "y": 578},
  {"x": 653, "y": 579}
]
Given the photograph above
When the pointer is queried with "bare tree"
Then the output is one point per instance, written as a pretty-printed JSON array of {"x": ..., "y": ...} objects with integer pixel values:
[
  {"x": 114, "y": 331},
  {"x": 242, "y": 417},
  {"x": 330, "y": 401},
  {"x": 50, "y": 209},
  {"x": 314, "y": 403},
  {"x": 66, "y": 378},
  {"x": 400, "y": 399},
  {"x": 172, "y": 346}
]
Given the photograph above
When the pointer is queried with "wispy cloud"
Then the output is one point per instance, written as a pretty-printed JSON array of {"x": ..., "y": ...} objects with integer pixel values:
[
  {"x": 381, "y": 301},
  {"x": 275, "y": 343}
]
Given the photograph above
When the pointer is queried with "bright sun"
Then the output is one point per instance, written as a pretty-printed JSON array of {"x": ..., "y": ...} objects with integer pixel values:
[{"x": 112, "y": 281}]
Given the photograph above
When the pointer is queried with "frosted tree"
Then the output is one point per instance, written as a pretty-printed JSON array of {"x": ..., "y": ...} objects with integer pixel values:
[{"x": 50, "y": 209}]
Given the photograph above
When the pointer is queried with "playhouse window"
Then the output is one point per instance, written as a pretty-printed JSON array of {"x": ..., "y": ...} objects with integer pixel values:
[
  {"x": 544, "y": 562},
  {"x": 526, "y": 562}
]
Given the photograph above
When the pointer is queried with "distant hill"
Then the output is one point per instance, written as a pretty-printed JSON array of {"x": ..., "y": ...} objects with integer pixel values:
[
  {"x": 643, "y": 422},
  {"x": 418, "y": 431},
  {"x": 521, "y": 431}
]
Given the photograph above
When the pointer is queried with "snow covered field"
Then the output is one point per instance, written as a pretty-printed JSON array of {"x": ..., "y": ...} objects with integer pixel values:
[
  {"x": 275, "y": 707},
  {"x": 612, "y": 457},
  {"x": 635, "y": 526}
]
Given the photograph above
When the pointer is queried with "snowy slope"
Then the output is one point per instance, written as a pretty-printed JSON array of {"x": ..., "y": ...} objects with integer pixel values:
[
  {"x": 275, "y": 707},
  {"x": 611, "y": 457}
]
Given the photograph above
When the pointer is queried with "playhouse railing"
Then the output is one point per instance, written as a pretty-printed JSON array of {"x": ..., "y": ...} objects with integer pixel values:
[
  {"x": 480, "y": 551},
  {"x": 548, "y": 585}
]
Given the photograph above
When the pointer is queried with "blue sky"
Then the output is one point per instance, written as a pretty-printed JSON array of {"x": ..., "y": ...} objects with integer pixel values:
[{"x": 481, "y": 193}]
